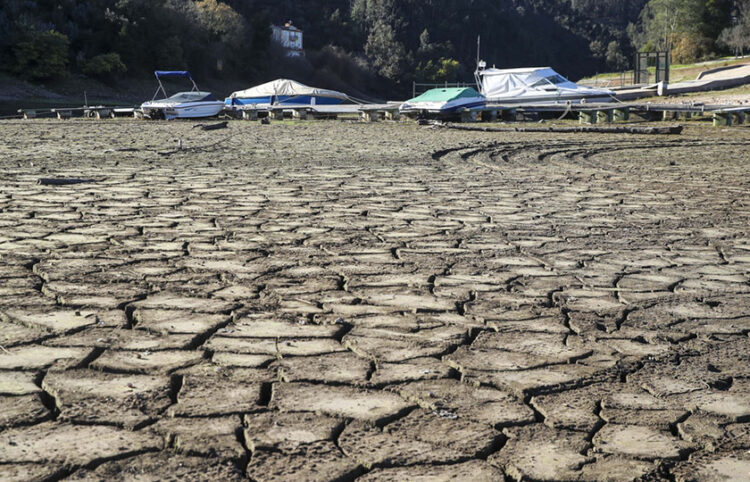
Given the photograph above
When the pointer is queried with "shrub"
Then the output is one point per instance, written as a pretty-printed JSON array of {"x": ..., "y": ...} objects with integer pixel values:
[
  {"x": 443, "y": 70},
  {"x": 42, "y": 55},
  {"x": 689, "y": 48},
  {"x": 104, "y": 65}
]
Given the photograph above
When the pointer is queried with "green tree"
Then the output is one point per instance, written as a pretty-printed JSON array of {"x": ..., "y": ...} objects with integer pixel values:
[
  {"x": 663, "y": 21},
  {"x": 42, "y": 55},
  {"x": 615, "y": 58},
  {"x": 224, "y": 24},
  {"x": 424, "y": 41},
  {"x": 388, "y": 55},
  {"x": 368, "y": 13},
  {"x": 689, "y": 29},
  {"x": 442, "y": 70},
  {"x": 737, "y": 36}
]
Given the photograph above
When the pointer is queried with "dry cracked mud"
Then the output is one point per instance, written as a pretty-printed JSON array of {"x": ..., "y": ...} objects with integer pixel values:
[{"x": 340, "y": 301}]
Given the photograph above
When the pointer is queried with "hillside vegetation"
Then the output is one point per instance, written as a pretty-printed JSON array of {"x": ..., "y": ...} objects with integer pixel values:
[{"x": 372, "y": 46}]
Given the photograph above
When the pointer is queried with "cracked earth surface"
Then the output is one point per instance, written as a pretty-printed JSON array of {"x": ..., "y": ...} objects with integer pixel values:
[{"x": 333, "y": 301}]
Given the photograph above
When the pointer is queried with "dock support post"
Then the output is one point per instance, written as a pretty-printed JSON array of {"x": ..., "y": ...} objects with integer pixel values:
[
  {"x": 299, "y": 114},
  {"x": 490, "y": 116},
  {"x": 368, "y": 115},
  {"x": 738, "y": 118},
  {"x": 64, "y": 114},
  {"x": 669, "y": 115},
  {"x": 29, "y": 114},
  {"x": 250, "y": 114},
  {"x": 587, "y": 117},
  {"x": 604, "y": 116},
  {"x": 101, "y": 113},
  {"x": 277, "y": 114},
  {"x": 508, "y": 115},
  {"x": 722, "y": 119},
  {"x": 622, "y": 114},
  {"x": 393, "y": 115},
  {"x": 468, "y": 115}
]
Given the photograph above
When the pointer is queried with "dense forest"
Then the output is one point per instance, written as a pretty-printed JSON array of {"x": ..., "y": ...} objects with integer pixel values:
[{"x": 371, "y": 45}]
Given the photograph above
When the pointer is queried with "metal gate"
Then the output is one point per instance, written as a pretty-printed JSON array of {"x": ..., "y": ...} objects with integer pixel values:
[{"x": 644, "y": 60}]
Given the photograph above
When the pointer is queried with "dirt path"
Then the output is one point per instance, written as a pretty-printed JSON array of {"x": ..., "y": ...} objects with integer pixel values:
[{"x": 331, "y": 301}]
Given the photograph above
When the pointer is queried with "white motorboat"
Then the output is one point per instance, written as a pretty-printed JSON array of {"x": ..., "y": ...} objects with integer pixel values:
[
  {"x": 182, "y": 105},
  {"x": 535, "y": 85}
]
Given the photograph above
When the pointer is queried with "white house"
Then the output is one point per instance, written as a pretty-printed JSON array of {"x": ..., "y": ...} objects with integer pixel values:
[{"x": 290, "y": 37}]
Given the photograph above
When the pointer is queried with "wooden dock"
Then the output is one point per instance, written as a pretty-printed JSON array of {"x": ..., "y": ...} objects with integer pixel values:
[
  {"x": 365, "y": 112},
  {"x": 95, "y": 112},
  {"x": 606, "y": 113},
  {"x": 722, "y": 115}
]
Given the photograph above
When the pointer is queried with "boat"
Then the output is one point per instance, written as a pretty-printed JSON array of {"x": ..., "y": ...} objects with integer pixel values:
[
  {"x": 284, "y": 92},
  {"x": 444, "y": 101},
  {"x": 534, "y": 85},
  {"x": 182, "y": 105}
]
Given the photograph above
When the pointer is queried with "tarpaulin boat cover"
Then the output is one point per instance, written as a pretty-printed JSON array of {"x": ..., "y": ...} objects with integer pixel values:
[
  {"x": 528, "y": 82},
  {"x": 287, "y": 88},
  {"x": 445, "y": 100},
  {"x": 446, "y": 95}
]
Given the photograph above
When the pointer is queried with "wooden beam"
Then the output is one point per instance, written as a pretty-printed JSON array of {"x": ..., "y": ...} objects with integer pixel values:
[{"x": 660, "y": 130}]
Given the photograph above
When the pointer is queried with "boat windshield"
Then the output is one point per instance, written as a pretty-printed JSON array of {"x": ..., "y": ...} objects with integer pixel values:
[
  {"x": 190, "y": 97},
  {"x": 552, "y": 79}
]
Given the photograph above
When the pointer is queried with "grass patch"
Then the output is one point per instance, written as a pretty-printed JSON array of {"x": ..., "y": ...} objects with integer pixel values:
[{"x": 677, "y": 72}]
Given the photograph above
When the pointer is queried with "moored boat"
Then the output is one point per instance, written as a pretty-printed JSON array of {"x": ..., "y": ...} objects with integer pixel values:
[
  {"x": 284, "y": 92},
  {"x": 534, "y": 85},
  {"x": 444, "y": 101},
  {"x": 182, "y": 105}
]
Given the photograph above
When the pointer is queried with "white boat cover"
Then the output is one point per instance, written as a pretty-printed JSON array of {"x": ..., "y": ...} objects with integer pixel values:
[
  {"x": 286, "y": 87},
  {"x": 531, "y": 83}
]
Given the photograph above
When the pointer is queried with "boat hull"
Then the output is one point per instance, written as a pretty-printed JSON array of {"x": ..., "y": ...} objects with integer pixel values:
[
  {"x": 282, "y": 100},
  {"x": 188, "y": 110},
  {"x": 443, "y": 107},
  {"x": 552, "y": 100}
]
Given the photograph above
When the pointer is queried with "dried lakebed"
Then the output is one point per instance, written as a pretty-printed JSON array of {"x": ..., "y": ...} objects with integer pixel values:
[{"x": 336, "y": 301}]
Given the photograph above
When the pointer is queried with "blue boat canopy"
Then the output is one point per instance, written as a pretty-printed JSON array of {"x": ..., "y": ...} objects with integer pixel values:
[{"x": 172, "y": 73}]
